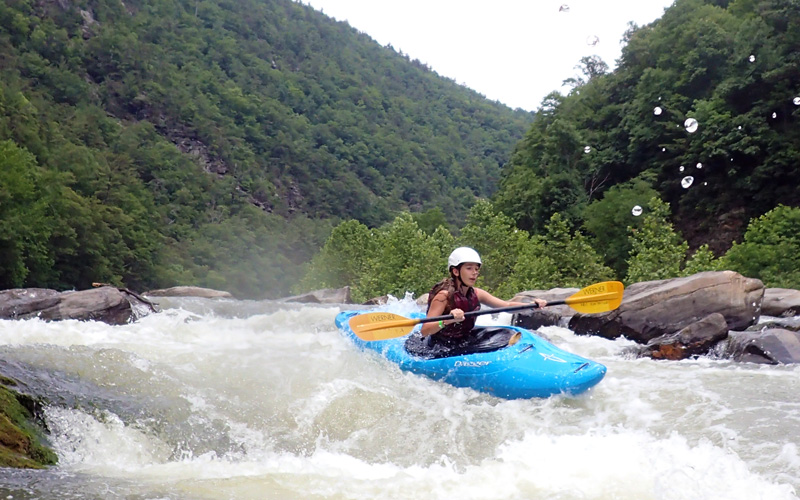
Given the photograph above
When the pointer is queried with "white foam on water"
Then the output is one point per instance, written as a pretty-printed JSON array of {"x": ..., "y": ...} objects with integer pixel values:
[
  {"x": 277, "y": 404},
  {"x": 609, "y": 463}
]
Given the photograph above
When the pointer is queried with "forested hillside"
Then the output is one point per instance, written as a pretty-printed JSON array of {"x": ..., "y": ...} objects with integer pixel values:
[
  {"x": 158, "y": 142},
  {"x": 702, "y": 111},
  {"x": 686, "y": 158}
]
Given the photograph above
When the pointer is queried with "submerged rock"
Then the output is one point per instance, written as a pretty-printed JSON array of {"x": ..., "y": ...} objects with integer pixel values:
[
  {"x": 324, "y": 296},
  {"x": 189, "y": 291}
]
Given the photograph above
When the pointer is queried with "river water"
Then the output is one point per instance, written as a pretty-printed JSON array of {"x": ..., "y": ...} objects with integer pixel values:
[{"x": 218, "y": 399}]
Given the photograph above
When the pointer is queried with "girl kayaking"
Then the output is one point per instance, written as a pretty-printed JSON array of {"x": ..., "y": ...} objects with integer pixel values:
[{"x": 456, "y": 295}]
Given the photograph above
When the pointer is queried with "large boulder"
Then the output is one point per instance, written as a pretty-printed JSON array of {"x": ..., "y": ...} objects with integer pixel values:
[
  {"x": 189, "y": 291},
  {"x": 654, "y": 308},
  {"x": 108, "y": 304},
  {"x": 772, "y": 346},
  {"x": 694, "y": 340},
  {"x": 550, "y": 315},
  {"x": 781, "y": 302}
]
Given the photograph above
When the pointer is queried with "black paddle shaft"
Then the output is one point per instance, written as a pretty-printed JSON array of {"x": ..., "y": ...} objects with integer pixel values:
[{"x": 532, "y": 305}]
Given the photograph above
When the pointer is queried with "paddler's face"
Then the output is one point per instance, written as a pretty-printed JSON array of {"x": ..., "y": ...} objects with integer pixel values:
[{"x": 469, "y": 273}]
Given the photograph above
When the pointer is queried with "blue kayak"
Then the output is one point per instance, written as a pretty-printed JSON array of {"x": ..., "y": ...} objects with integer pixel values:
[{"x": 530, "y": 368}]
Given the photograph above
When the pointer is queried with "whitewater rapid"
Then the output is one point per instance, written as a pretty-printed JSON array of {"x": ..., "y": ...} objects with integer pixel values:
[{"x": 215, "y": 399}]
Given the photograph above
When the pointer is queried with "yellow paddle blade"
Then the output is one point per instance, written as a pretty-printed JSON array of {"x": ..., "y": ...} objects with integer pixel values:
[
  {"x": 597, "y": 298},
  {"x": 381, "y": 326}
]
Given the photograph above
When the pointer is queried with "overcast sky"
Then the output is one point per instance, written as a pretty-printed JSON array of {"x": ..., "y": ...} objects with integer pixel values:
[{"x": 512, "y": 51}]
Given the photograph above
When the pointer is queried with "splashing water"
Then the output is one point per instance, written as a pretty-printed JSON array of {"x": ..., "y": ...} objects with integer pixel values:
[{"x": 249, "y": 400}]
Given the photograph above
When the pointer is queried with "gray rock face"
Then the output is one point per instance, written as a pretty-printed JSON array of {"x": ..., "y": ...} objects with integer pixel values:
[
  {"x": 773, "y": 346},
  {"x": 550, "y": 315},
  {"x": 781, "y": 302},
  {"x": 694, "y": 340},
  {"x": 107, "y": 304}
]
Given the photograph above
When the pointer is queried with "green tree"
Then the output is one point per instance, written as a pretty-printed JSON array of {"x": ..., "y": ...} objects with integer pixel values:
[
  {"x": 534, "y": 270},
  {"x": 609, "y": 220},
  {"x": 342, "y": 259},
  {"x": 405, "y": 259},
  {"x": 430, "y": 220},
  {"x": 494, "y": 236},
  {"x": 657, "y": 252},
  {"x": 25, "y": 227},
  {"x": 770, "y": 250},
  {"x": 578, "y": 263},
  {"x": 702, "y": 259}
]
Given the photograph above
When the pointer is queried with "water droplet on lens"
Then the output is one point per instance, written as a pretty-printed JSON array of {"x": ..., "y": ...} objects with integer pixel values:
[
  {"x": 687, "y": 181},
  {"x": 699, "y": 165},
  {"x": 636, "y": 211},
  {"x": 691, "y": 125},
  {"x": 587, "y": 149},
  {"x": 657, "y": 110},
  {"x": 592, "y": 40},
  {"x": 564, "y": 8},
  {"x": 752, "y": 58},
  {"x": 796, "y": 101}
]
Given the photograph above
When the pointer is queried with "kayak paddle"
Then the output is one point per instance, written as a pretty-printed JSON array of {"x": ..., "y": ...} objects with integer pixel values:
[{"x": 597, "y": 298}]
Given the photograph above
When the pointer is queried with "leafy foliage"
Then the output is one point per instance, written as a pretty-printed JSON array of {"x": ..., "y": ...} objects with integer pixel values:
[
  {"x": 609, "y": 220},
  {"x": 770, "y": 250},
  {"x": 496, "y": 239},
  {"x": 657, "y": 252},
  {"x": 404, "y": 260}
]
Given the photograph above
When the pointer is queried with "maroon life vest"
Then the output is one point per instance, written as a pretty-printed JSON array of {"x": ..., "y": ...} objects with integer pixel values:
[{"x": 456, "y": 300}]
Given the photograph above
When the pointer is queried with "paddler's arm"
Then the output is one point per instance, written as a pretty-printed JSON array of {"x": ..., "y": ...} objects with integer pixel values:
[
  {"x": 437, "y": 309},
  {"x": 490, "y": 300}
]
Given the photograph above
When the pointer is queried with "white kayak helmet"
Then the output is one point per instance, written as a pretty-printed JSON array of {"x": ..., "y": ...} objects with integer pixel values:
[{"x": 461, "y": 255}]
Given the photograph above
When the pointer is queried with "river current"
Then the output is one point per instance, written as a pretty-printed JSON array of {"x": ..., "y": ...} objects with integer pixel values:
[{"x": 227, "y": 399}]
